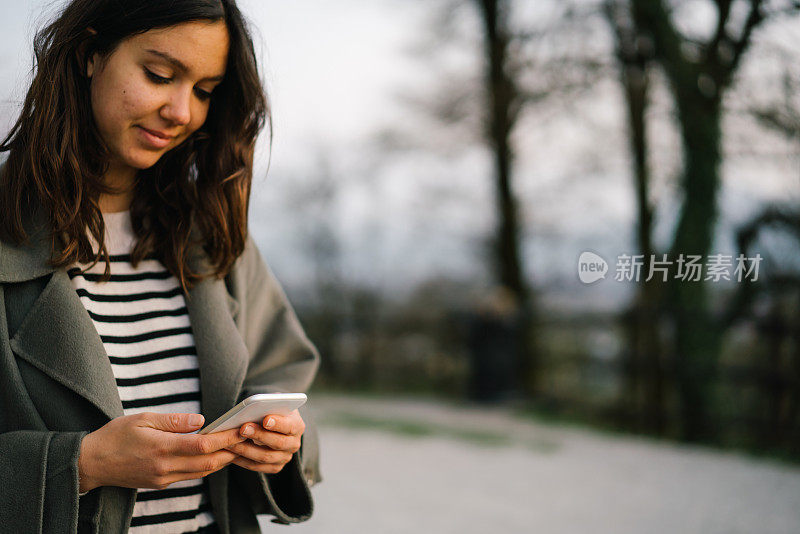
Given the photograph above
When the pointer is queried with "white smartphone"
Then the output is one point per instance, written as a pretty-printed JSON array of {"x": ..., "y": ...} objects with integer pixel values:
[{"x": 254, "y": 409}]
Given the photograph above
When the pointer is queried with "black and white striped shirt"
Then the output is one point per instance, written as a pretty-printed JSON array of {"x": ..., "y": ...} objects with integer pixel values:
[{"x": 142, "y": 319}]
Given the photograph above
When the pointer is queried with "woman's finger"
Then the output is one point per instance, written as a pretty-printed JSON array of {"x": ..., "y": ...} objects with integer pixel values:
[
  {"x": 290, "y": 425},
  {"x": 199, "y": 444},
  {"x": 178, "y": 477},
  {"x": 247, "y": 463},
  {"x": 203, "y": 463},
  {"x": 223, "y": 458},
  {"x": 273, "y": 440},
  {"x": 262, "y": 455}
]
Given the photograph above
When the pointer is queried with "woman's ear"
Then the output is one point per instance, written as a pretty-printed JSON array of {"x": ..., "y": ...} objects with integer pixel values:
[
  {"x": 86, "y": 61},
  {"x": 90, "y": 62}
]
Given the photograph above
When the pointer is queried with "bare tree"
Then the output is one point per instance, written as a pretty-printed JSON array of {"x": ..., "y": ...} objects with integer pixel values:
[
  {"x": 504, "y": 102},
  {"x": 699, "y": 73},
  {"x": 517, "y": 72}
]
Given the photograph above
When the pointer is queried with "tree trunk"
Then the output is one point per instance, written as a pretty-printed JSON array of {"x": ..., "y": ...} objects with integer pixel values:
[
  {"x": 642, "y": 399},
  {"x": 502, "y": 105},
  {"x": 697, "y": 336},
  {"x": 646, "y": 367},
  {"x": 501, "y": 96}
]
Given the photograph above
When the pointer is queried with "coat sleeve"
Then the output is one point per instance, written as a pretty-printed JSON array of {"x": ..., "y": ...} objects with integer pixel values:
[
  {"x": 40, "y": 489},
  {"x": 282, "y": 359}
]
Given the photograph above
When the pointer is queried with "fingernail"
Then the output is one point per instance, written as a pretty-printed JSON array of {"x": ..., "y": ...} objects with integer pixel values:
[
  {"x": 195, "y": 419},
  {"x": 270, "y": 423},
  {"x": 248, "y": 431}
]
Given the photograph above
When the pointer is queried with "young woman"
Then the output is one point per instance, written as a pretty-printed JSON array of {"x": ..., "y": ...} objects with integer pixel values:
[{"x": 133, "y": 300}]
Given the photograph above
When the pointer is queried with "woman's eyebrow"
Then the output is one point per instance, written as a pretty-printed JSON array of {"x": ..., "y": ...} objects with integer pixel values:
[{"x": 178, "y": 64}]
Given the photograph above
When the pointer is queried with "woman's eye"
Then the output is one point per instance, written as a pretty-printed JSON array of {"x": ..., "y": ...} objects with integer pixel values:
[
  {"x": 155, "y": 78},
  {"x": 202, "y": 95}
]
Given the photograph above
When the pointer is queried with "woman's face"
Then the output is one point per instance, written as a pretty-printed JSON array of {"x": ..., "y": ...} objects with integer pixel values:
[{"x": 153, "y": 90}]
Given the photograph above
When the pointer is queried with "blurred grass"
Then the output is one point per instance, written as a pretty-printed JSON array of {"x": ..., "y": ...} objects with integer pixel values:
[
  {"x": 539, "y": 413},
  {"x": 418, "y": 429}
]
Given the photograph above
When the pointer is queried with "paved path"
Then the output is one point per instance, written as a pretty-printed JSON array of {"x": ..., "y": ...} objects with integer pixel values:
[{"x": 400, "y": 466}]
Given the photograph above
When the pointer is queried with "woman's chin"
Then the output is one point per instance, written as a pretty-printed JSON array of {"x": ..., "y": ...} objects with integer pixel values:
[{"x": 144, "y": 160}]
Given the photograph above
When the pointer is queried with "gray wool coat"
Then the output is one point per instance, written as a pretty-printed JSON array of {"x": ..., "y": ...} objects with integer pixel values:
[{"x": 56, "y": 385}]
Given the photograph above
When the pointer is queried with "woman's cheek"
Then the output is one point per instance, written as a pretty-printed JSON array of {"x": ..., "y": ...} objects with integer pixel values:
[
  {"x": 199, "y": 114},
  {"x": 137, "y": 103}
]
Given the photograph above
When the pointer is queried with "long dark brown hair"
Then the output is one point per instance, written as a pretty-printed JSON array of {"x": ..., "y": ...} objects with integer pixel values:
[{"x": 196, "y": 194}]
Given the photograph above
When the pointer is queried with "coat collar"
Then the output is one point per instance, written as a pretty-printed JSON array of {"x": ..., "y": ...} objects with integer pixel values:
[
  {"x": 58, "y": 337},
  {"x": 30, "y": 259}
]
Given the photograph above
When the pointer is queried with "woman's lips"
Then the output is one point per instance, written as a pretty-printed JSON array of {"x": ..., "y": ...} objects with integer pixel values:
[{"x": 153, "y": 139}]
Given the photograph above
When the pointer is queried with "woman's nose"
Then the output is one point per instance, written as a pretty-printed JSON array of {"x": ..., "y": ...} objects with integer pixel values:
[{"x": 177, "y": 109}]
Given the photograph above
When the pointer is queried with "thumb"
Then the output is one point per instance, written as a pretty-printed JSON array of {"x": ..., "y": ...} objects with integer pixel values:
[{"x": 174, "y": 422}]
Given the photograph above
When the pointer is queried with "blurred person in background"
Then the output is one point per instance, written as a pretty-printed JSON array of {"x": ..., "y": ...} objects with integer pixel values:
[{"x": 493, "y": 333}]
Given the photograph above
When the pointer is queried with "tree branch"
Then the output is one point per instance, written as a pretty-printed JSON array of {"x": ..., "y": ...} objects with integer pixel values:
[
  {"x": 754, "y": 18},
  {"x": 723, "y": 13},
  {"x": 785, "y": 121},
  {"x": 652, "y": 17}
]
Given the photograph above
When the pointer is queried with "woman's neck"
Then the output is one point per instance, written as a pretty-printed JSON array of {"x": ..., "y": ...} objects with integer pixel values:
[
  {"x": 116, "y": 203},
  {"x": 123, "y": 180}
]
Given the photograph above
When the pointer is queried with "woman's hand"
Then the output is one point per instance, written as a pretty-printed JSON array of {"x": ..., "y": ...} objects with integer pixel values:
[
  {"x": 151, "y": 450},
  {"x": 269, "y": 448}
]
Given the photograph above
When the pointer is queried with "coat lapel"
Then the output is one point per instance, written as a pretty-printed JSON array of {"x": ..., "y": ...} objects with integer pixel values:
[{"x": 58, "y": 337}]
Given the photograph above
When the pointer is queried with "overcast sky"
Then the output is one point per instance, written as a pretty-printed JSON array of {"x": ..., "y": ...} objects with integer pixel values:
[{"x": 333, "y": 71}]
